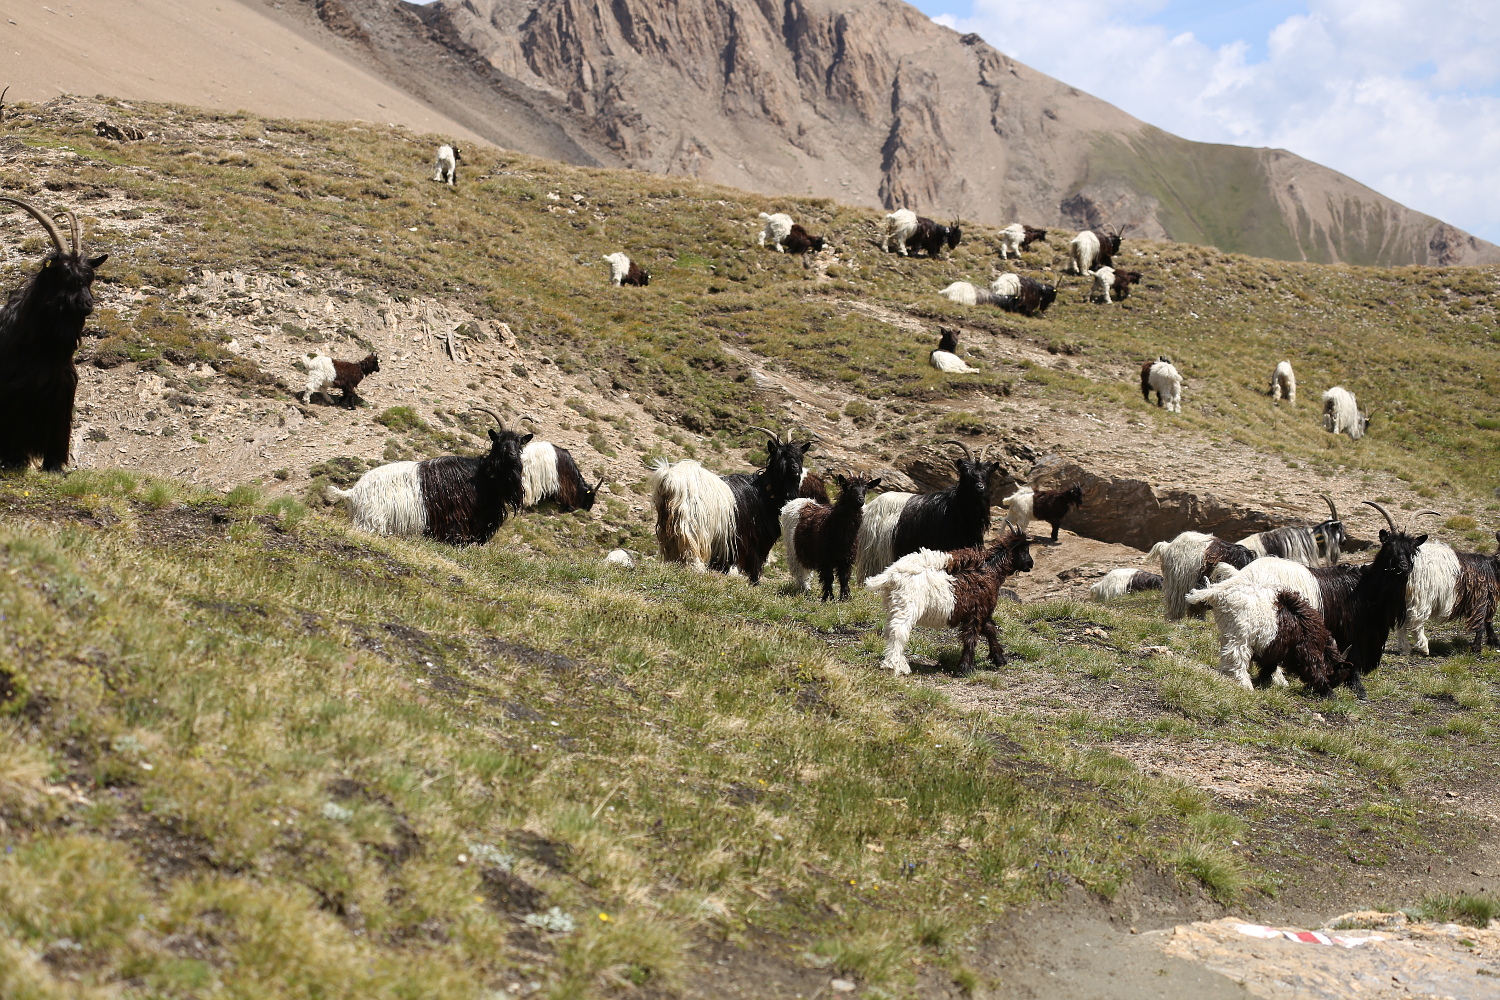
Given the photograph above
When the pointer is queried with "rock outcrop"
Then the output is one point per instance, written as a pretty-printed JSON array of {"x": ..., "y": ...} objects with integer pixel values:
[{"x": 869, "y": 102}]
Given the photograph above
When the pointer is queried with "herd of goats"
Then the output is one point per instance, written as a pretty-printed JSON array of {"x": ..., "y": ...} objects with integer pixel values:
[{"x": 1281, "y": 599}]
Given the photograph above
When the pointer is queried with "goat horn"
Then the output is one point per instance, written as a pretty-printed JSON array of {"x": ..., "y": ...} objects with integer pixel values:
[
  {"x": 41, "y": 217},
  {"x": 1421, "y": 513},
  {"x": 1332, "y": 510},
  {"x": 967, "y": 453},
  {"x": 774, "y": 436},
  {"x": 77, "y": 234},
  {"x": 492, "y": 413},
  {"x": 1372, "y": 503}
]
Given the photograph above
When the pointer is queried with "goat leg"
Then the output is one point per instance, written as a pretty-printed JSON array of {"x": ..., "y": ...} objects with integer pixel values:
[
  {"x": 826, "y": 576},
  {"x": 966, "y": 660},
  {"x": 1056, "y": 526},
  {"x": 997, "y": 654},
  {"x": 844, "y": 583}
]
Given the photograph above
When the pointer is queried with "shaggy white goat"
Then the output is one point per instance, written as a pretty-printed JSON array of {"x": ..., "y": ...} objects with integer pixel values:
[
  {"x": 1283, "y": 383},
  {"x": 695, "y": 514},
  {"x": 320, "y": 376},
  {"x": 776, "y": 229},
  {"x": 1104, "y": 281},
  {"x": 1018, "y": 508},
  {"x": 918, "y": 592},
  {"x": 1083, "y": 251},
  {"x": 1013, "y": 236},
  {"x": 872, "y": 553},
  {"x": 1008, "y": 283},
  {"x": 1245, "y": 614},
  {"x": 619, "y": 266},
  {"x": 898, "y": 226},
  {"x": 1165, "y": 381},
  {"x": 387, "y": 500},
  {"x": 447, "y": 165},
  {"x": 947, "y": 361},
  {"x": 1341, "y": 413},
  {"x": 1181, "y": 561}
]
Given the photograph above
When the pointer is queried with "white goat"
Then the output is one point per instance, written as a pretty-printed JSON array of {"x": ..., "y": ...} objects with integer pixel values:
[
  {"x": 695, "y": 514},
  {"x": 965, "y": 293},
  {"x": 898, "y": 226},
  {"x": 387, "y": 500},
  {"x": 1104, "y": 281},
  {"x": 1341, "y": 413},
  {"x": 777, "y": 227},
  {"x": 1283, "y": 383},
  {"x": 1018, "y": 508},
  {"x": 1083, "y": 251},
  {"x": 1014, "y": 239},
  {"x": 1245, "y": 614},
  {"x": 448, "y": 158},
  {"x": 946, "y": 359},
  {"x": 918, "y": 592},
  {"x": 1162, "y": 378},
  {"x": 320, "y": 376},
  {"x": 620, "y": 558},
  {"x": 1181, "y": 561}
]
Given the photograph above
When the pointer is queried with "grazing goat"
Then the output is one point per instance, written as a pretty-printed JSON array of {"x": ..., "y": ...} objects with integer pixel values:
[
  {"x": 937, "y": 589},
  {"x": 1017, "y": 237},
  {"x": 775, "y": 229},
  {"x": 324, "y": 373},
  {"x": 1279, "y": 632},
  {"x": 799, "y": 242},
  {"x": 1359, "y": 604},
  {"x": 1160, "y": 376},
  {"x": 41, "y": 324},
  {"x": 912, "y": 233},
  {"x": 822, "y": 537},
  {"x": 454, "y": 499},
  {"x": 550, "y": 473},
  {"x": 1093, "y": 248},
  {"x": 1450, "y": 586},
  {"x": 725, "y": 522},
  {"x": 945, "y": 358},
  {"x": 1111, "y": 285},
  {"x": 624, "y": 271},
  {"x": 1283, "y": 383},
  {"x": 896, "y": 524},
  {"x": 1188, "y": 562},
  {"x": 448, "y": 159},
  {"x": 1319, "y": 545},
  {"x": 1341, "y": 413},
  {"x": 1119, "y": 582}
]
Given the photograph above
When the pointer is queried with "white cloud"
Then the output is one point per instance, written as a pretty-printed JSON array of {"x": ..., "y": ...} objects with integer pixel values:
[{"x": 1400, "y": 95}]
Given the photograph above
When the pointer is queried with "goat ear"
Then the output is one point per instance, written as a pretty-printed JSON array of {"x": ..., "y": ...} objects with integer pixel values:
[
  {"x": 96, "y": 261},
  {"x": 806, "y": 447},
  {"x": 872, "y": 484},
  {"x": 494, "y": 434},
  {"x": 526, "y": 438},
  {"x": 1420, "y": 539}
]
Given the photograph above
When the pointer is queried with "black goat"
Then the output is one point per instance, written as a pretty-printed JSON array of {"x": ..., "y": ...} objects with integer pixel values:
[
  {"x": 725, "y": 522},
  {"x": 955, "y": 518},
  {"x": 822, "y": 537},
  {"x": 798, "y": 241},
  {"x": 40, "y": 327}
]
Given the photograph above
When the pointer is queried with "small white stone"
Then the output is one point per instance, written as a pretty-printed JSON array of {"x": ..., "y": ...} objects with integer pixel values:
[{"x": 841, "y": 986}]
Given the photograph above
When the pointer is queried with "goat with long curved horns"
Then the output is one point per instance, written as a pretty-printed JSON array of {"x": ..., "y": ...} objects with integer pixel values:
[{"x": 40, "y": 327}]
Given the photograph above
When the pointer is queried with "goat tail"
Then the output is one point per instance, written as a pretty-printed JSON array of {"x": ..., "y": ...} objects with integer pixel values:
[
  {"x": 763, "y": 215},
  {"x": 1155, "y": 555},
  {"x": 333, "y": 494},
  {"x": 1203, "y": 595}
]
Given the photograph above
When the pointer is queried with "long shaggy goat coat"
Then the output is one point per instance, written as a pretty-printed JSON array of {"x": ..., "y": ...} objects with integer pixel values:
[
  {"x": 1188, "y": 562},
  {"x": 775, "y": 229},
  {"x": 1449, "y": 586},
  {"x": 1283, "y": 383},
  {"x": 550, "y": 473},
  {"x": 1341, "y": 413},
  {"x": 1119, "y": 582},
  {"x": 1276, "y": 630},
  {"x": 694, "y": 516},
  {"x": 933, "y": 589},
  {"x": 1162, "y": 377}
]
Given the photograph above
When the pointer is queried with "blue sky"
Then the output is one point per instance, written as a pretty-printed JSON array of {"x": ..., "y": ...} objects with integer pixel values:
[{"x": 1402, "y": 95}]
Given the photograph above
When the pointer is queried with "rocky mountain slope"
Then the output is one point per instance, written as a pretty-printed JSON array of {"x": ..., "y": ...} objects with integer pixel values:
[{"x": 871, "y": 103}]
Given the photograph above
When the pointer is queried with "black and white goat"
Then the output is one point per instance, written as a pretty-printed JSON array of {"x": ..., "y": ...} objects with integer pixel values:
[
  {"x": 1112, "y": 285},
  {"x": 1119, "y": 582},
  {"x": 914, "y": 233},
  {"x": 1451, "y": 586},
  {"x": 448, "y": 159},
  {"x": 1052, "y": 506},
  {"x": 1010, "y": 292},
  {"x": 455, "y": 499},
  {"x": 624, "y": 271},
  {"x": 1093, "y": 248},
  {"x": 945, "y": 358},
  {"x": 1188, "y": 562},
  {"x": 1283, "y": 383},
  {"x": 1359, "y": 604},
  {"x": 1319, "y": 545},
  {"x": 896, "y": 524},
  {"x": 936, "y": 589},
  {"x": 550, "y": 473},
  {"x": 1017, "y": 237},
  {"x": 788, "y": 236},
  {"x": 1280, "y": 632},
  {"x": 325, "y": 373},
  {"x": 725, "y": 523},
  {"x": 1341, "y": 413},
  {"x": 821, "y": 538},
  {"x": 41, "y": 324},
  {"x": 1162, "y": 377}
]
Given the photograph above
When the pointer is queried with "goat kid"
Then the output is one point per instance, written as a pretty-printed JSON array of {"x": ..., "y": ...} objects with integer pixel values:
[
  {"x": 624, "y": 271},
  {"x": 1018, "y": 237},
  {"x": 40, "y": 327},
  {"x": 936, "y": 589},
  {"x": 1111, "y": 285},
  {"x": 1283, "y": 383},
  {"x": 822, "y": 537},
  {"x": 448, "y": 159},
  {"x": 325, "y": 373},
  {"x": 1279, "y": 632},
  {"x": 1162, "y": 377}
]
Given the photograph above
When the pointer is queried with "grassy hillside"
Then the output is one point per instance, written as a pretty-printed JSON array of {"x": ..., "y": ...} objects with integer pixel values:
[{"x": 246, "y": 752}]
